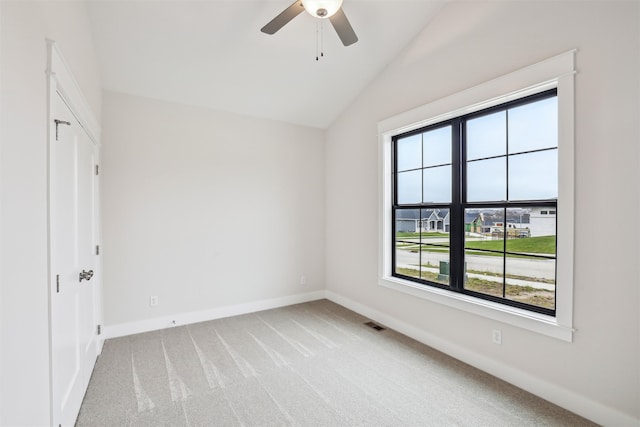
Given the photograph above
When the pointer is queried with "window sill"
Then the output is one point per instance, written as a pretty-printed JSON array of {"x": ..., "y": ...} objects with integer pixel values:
[{"x": 535, "y": 322}]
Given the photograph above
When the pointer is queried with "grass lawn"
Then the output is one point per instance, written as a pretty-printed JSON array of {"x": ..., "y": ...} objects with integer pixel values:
[
  {"x": 412, "y": 247},
  {"x": 401, "y": 235},
  {"x": 525, "y": 294},
  {"x": 425, "y": 275},
  {"x": 514, "y": 276},
  {"x": 534, "y": 245}
]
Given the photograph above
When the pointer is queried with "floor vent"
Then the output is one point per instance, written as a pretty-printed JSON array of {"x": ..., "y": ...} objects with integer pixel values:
[{"x": 375, "y": 326}]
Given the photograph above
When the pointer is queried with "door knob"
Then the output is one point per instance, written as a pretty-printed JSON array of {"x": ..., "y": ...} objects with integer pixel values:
[{"x": 86, "y": 275}]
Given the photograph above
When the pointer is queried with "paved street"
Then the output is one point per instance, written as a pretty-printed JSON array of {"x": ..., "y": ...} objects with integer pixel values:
[{"x": 529, "y": 267}]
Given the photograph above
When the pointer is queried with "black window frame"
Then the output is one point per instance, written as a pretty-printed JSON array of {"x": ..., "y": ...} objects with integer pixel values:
[{"x": 459, "y": 204}]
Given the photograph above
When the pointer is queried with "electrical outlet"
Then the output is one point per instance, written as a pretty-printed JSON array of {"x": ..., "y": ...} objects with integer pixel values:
[
  {"x": 303, "y": 280},
  {"x": 153, "y": 301},
  {"x": 497, "y": 336}
]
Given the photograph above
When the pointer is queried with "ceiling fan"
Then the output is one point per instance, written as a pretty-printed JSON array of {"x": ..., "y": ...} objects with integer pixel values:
[{"x": 321, "y": 9}]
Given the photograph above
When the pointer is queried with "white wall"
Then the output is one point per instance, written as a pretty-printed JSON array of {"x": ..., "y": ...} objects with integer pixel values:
[
  {"x": 24, "y": 350},
  {"x": 206, "y": 209},
  {"x": 229, "y": 209},
  {"x": 466, "y": 44}
]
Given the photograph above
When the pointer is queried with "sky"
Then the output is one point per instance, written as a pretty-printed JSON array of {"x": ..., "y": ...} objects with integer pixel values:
[{"x": 514, "y": 150}]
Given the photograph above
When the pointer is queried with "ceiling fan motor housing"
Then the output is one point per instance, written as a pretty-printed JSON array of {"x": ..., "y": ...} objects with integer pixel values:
[{"x": 322, "y": 8}]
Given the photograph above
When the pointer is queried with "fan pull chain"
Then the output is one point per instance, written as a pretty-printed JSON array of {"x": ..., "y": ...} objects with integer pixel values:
[{"x": 319, "y": 39}]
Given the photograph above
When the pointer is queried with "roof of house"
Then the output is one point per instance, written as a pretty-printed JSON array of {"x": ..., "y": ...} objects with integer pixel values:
[
  {"x": 426, "y": 213},
  {"x": 487, "y": 217},
  {"x": 470, "y": 217},
  {"x": 491, "y": 216}
]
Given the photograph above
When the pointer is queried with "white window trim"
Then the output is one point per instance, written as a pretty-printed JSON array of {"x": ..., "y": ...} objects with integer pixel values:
[{"x": 556, "y": 72}]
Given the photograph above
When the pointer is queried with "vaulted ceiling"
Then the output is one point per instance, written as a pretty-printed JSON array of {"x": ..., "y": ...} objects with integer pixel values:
[{"x": 212, "y": 54}]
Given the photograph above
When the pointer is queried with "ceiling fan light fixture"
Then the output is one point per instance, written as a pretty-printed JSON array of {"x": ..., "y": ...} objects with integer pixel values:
[{"x": 322, "y": 8}]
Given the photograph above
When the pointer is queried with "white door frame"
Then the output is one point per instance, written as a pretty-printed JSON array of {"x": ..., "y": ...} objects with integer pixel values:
[{"x": 60, "y": 82}]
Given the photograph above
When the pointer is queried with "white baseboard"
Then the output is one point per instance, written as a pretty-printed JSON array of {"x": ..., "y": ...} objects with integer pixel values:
[
  {"x": 130, "y": 328},
  {"x": 567, "y": 399}
]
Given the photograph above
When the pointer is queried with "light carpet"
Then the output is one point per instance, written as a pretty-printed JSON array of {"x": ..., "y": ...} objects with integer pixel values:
[{"x": 312, "y": 364}]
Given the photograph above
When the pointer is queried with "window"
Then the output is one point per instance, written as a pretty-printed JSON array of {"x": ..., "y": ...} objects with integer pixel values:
[
  {"x": 488, "y": 171},
  {"x": 461, "y": 223}
]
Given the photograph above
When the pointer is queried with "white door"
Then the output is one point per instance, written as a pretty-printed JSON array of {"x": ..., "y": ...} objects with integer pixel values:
[{"x": 73, "y": 262}]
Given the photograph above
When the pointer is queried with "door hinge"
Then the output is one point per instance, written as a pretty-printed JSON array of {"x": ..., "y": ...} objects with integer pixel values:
[
  {"x": 97, "y": 169},
  {"x": 97, "y": 249},
  {"x": 57, "y": 283},
  {"x": 99, "y": 329}
]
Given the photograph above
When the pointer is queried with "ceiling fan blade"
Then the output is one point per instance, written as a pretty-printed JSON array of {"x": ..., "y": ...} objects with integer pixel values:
[
  {"x": 283, "y": 19},
  {"x": 343, "y": 28}
]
